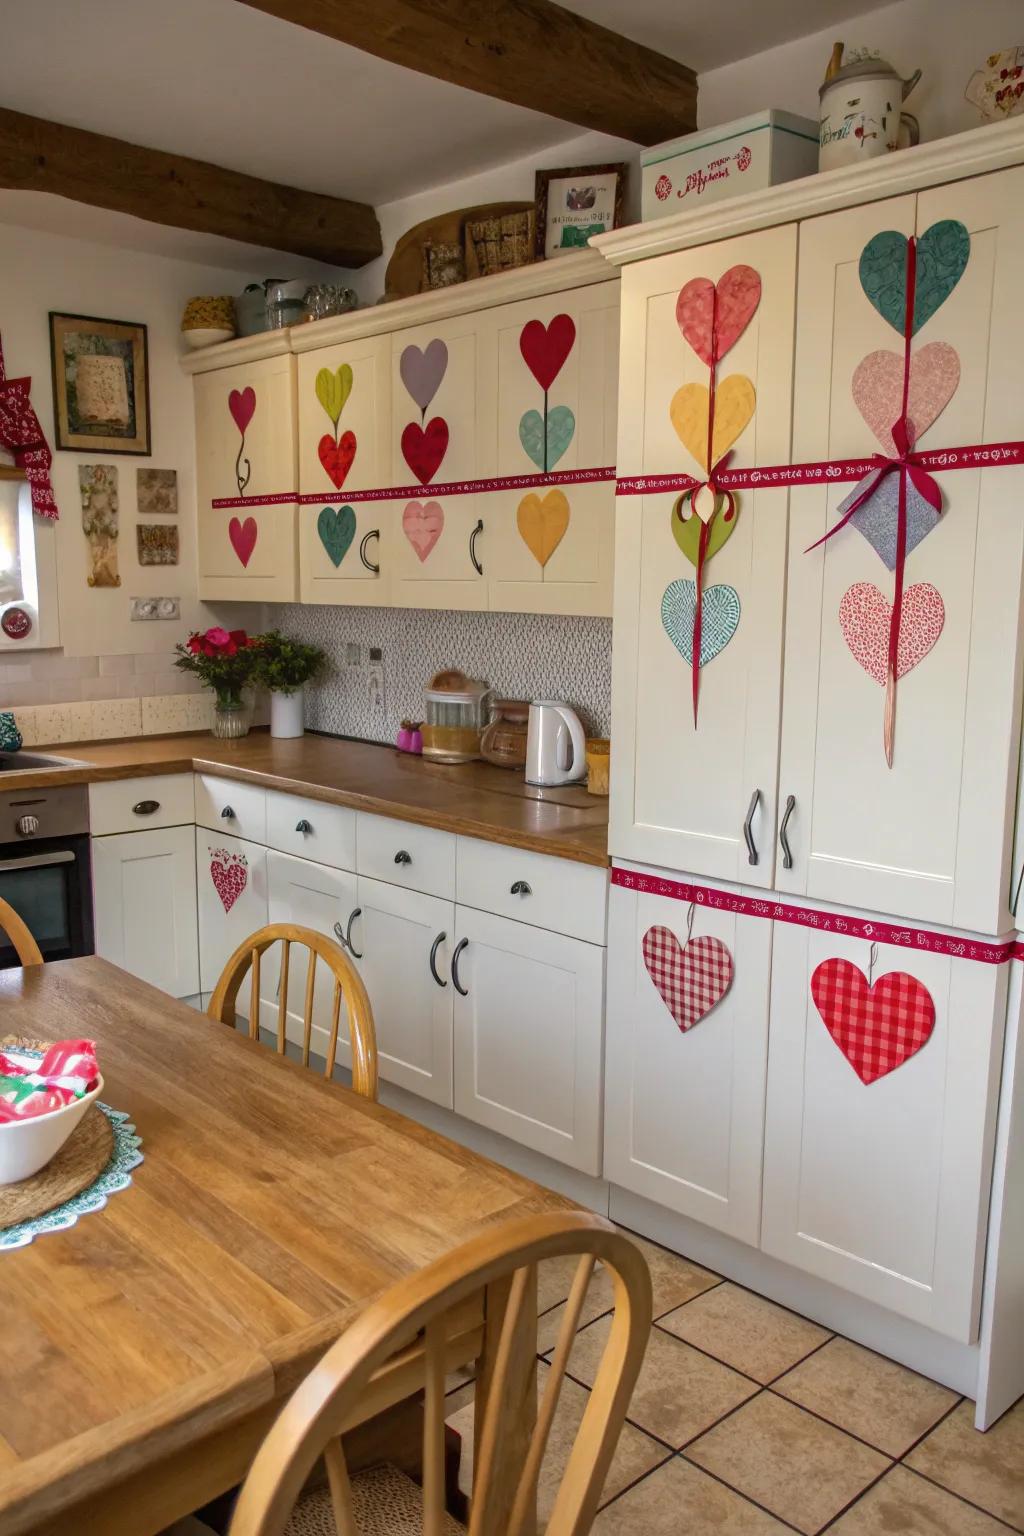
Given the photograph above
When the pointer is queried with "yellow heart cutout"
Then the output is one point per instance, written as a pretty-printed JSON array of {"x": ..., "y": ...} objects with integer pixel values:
[
  {"x": 333, "y": 389},
  {"x": 734, "y": 405},
  {"x": 542, "y": 523}
]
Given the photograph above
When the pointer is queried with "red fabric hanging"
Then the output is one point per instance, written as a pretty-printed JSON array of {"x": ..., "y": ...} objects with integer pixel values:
[{"x": 21, "y": 435}]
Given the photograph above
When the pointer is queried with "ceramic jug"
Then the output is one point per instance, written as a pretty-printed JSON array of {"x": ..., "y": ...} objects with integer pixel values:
[{"x": 859, "y": 113}]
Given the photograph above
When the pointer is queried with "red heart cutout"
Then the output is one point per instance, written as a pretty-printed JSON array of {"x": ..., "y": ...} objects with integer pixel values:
[
  {"x": 691, "y": 977},
  {"x": 230, "y": 875},
  {"x": 865, "y": 616},
  {"x": 423, "y": 448},
  {"x": 242, "y": 405},
  {"x": 739, "y": 294},
  {"x": 546, "y": 347},
  {"x": 877, "y": 1028},
  {"x": 336, "y": 457},
  {"x": 243, "y": 538}
]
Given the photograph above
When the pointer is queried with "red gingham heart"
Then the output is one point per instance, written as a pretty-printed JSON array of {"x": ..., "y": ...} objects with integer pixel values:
[
  {"x": 877, "y": 1028},
  {"x": 691, "y": 978}
]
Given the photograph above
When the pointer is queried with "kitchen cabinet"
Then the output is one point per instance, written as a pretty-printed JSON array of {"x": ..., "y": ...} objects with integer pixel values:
[
  {"x": 306, "y": 895},
  {"x": 231, "y": 881},
  {"x": 144, "y": 904}
]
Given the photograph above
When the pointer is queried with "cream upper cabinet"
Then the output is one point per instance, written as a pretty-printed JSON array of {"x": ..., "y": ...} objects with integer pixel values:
[
  {"x": 245, "y": 459},
  {"x": 344, "y": 419},
  {"x": 681, "y": 791},
  {"x": 928, "y": 838}
]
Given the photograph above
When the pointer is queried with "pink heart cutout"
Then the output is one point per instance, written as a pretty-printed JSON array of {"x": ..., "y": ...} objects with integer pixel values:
[
  {"x": 243, "y": 538},
  {"x": 423, "y": 524},
  {"x": 230, "y": 875},
  {"x": 242, "y": 405},
  {"x": 865, "y": 615},
  {"x": 877, "y": 388},
  {"x": 692, "y": 977},
  {"x": 739, "y": 293}
]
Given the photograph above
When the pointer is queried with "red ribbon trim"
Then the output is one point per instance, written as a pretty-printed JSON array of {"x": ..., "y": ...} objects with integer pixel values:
[
  {"x": 276, "y": 500},
  {"x": 462, "y": 487}
]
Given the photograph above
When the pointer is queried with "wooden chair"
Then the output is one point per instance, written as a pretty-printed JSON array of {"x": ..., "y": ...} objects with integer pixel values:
[
  {"x": 483, "y": 1295},
  {"x": 347, "y": 983},
  {"x": 16, "y": 929}
]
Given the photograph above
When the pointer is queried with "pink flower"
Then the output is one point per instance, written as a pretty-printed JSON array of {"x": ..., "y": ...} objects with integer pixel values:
[{"x": 217, "y": 637}]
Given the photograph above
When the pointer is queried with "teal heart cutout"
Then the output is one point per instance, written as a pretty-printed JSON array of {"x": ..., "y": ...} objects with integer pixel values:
[
  {"x": 561, "y": 426},
  {"x": 337, "y": 529},
  {"x": 942, "y": 255},
  {"x": 720, "y": 617}
]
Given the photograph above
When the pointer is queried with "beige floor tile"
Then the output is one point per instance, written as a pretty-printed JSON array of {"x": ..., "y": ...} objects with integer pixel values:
[
  {"x": 680, "y": 1392},
  {"x": 673, "y": 1281},
  {"x": 872, "y": 1397},
  {"x": 745, "y": 1331},
  {"x": 904, "y": 1503},
  {"x": 987, "y": 1469},
  {"x": 804, "y": 1471},
  {"x": 635, "y": 1453},
  {"x": 677, "y": 1499}
]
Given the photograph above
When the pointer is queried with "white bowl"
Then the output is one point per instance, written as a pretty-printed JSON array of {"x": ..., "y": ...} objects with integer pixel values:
[
  {"x": 207, "y": 336},
  {"x": 28, "y": 1145}
]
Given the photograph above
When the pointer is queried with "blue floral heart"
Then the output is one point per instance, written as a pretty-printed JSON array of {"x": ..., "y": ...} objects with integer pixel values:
[
  {"x": 337, "y": 529},
  {"x": 720, "y": 617},
  {"x": 561, "y": 426},
  {"x": 942, "y": 254}
]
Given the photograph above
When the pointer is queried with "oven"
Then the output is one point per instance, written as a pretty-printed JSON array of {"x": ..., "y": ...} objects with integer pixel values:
[{"x": 45, "y": 870}]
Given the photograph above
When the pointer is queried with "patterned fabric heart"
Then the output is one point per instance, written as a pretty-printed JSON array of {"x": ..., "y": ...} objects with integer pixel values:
[
  {"x": 734, "y": 406},
  {"x": 877, "y": 1028},
  {"x": 878, "y": 390},
  {"x": 337, "y": 529},
  {"x": 545, "y": 448},
  {"x": 423, "y": 524},
  {"x": 337, "y": 457},
  {"x": 865, "y": 616},
  {"x": 242, "y": 405},
  {"x": 229, "y": 873},
  {"x": 423, "y": 371},
  {"x": 542, "y": 522},
  {"x": 720, "y": 617},
  {"x": 243, "y": 537},
  {"x": 942, "y": 255},
  {"x": 333, "y": 389},
  {"x": 692, "y": 977},
  {"x": 686, "y": 530},
  {"x": 739, "y": 293},
  {"x": 423, "y": 448},
  {"x": 546, "y": 347},
  {"x": 876, "y": 518}
]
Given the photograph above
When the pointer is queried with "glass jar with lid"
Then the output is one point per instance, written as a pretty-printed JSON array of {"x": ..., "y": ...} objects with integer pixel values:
[{"x": 455, "y": 716}]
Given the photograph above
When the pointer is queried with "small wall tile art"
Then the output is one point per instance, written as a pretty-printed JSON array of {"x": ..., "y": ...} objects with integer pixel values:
[
  {"x": 158, "y": 543},
  {"x": 97, "y": 484},
  {"x": 157, "y": 492},
  {"x": 100, "y": 384}
]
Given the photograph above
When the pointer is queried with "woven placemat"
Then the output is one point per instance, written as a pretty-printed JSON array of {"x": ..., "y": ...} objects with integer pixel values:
[{"x": 78, "y": 1164}]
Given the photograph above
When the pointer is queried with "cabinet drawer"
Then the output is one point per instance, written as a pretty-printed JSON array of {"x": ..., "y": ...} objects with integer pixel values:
[
  {"x": 311, "y": 829},
  {"x": 137, "y": 805},
  {"x": 418, "y": 858},
  {"x": 536, "y": 888},
  {"x": 238, "y": 810}
]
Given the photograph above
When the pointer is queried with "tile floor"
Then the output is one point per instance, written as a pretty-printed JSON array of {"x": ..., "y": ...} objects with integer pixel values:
[{"x": 748, "y": 1420}]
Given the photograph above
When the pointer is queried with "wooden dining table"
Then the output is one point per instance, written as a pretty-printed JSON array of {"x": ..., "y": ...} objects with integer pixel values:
[{"x": 145, "y": 1350}]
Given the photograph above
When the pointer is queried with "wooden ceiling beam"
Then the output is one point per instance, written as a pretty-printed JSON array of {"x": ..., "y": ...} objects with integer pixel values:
[
  {"x": 531, "y": 53},
  {"x": 40, "y": 156}
]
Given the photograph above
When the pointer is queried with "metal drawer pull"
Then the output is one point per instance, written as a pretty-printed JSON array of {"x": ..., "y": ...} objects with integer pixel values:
[
  {"x": 401, "y": 857},
  {"x": 787, "y": 856},
  {"x": 303, "y": 826},
  {"x": 520, "y": 888},
  {"x": 755, "y": 801},
  {"x": 472, "y": 546},
  {"x": 227, "y": 813},
  {"x": 145, "y": 807},
  {"x": 433, "y": 958},
  {"x": 374, "y": 533},
  {"x": 347, "y": 940},
  {"x": 456, "y": 983}
]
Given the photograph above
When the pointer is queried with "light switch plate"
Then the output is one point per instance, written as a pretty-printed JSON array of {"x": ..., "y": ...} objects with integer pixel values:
[{"x": 144, "y": 608}]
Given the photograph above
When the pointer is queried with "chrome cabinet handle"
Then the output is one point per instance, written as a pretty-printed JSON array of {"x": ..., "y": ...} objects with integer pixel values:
[
  {"x": 520, "y": 888},
  {"x": 433, "y": 958},
  {"x": 145, "y": 807},
  {"x": 472, "y": 546},
  {"x": 456, "y": 983},
  {"x": 374, "y": 533},
  {"x": 227, "y": 814},
  {"x": 357, "y": 954},
  {"x": 339, "y": 934},
  {"x": 755, "y": 801},
  {"x": 303, "y": 826},
  {"x": 401, "y": 857},
  {"x": 787, "y": 856}
]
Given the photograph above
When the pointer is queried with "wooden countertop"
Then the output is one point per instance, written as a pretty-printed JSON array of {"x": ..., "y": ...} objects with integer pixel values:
[{"x": 473, "y": 798}]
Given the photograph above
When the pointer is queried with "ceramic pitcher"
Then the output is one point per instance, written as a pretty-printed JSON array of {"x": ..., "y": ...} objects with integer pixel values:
[{"x": 859, "y": 114}]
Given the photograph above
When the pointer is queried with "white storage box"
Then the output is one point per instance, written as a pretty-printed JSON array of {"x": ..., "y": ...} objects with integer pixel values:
[{"x": 745, "y": 156}]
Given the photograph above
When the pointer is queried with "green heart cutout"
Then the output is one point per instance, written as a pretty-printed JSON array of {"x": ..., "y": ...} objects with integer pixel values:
[
  {"x": 560, "y": 430},
  {"x": 942, "y": 255},
  {"x": 687, "y": 534},
  {"x": 337, "y": 529},
  {"x": 333, "y": 389}
]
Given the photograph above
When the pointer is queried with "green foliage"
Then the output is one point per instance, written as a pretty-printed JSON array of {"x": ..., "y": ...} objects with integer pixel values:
[{"x": 283, "y": 665}]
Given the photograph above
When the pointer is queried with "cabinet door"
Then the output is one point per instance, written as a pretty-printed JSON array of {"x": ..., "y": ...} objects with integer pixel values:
[
  {"x": 144, "y": 898},
  {"x": 245, "y": 453},
  {"x": 882, "y": 1188},
  {"x": 684, "y": 1111},
  {"x": 344, "y": 416},
  {"x": 550, "y": 550},
  {"x": 313, "y": 896},
  {"x": 929, "y": 837},
  {"x": 528, "y": 1036},
  {"x": 231, "y": 879},
  {"x": 398, "y": 935},
  {"x": 437, "y": 436},
  {"x": 680, "y": 791}
]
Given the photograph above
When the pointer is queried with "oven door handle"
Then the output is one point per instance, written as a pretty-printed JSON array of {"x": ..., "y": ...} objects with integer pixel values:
[{"x": 62, "y": 856}]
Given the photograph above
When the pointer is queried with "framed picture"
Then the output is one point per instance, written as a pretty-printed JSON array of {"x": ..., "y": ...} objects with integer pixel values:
[
  {"x": 576, "y": 203},
  {"x": 100, "y": 384}
]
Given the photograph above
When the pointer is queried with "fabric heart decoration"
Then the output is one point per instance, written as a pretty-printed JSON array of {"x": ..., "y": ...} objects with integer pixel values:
[
  {"x": 336, "y": 529},
  {"x": 686, "y": 525},
  {"x": 878, "y": 1027},
  {"x": 734, "y": 406},
  {"x": 242, "y": 405},
  {"x": 692, "y": 977},
  {"x": 546, "y": 347},
  {"x": 423, "y": 448},
  {"x": 546, "y": 445},
  {"x": 542, "y": 522},
  {"x": 942, "y": 255},
  {"x": 720, "y": 617},
  {"x": 876, "y": 518},
  {"x": 230, "y": 875},
  {"x": 337, "y": 457},
  {"x": 878, "y": 390},
  {"x": 243, "y": 537},
  {"x": 422, "y": 370},
  {"x": 726, "y": 307},
  {"x": 333, "y": 389},
  {"x": 865, "y": 616},
  {"x": 423, "y": 524}
]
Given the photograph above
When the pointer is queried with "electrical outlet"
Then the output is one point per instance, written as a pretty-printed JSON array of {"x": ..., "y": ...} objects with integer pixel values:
[
  {"x": 155, "y": 608},
  {"x": 375, "y": 686}
]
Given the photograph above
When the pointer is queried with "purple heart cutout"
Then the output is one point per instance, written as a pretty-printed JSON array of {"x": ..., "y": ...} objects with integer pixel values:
[{"x": 422, "y": 371}]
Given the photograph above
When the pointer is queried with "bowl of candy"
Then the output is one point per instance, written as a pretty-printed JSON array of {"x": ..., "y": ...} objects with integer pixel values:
[{"x": 43, "y": 1097}]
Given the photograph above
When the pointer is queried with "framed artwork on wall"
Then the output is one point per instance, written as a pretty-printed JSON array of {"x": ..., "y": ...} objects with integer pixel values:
[
  {"x": 100, "y": 384},
  {"x": 574, "y": 204}
]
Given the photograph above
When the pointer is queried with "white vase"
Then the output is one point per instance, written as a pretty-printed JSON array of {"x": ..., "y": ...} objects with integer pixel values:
[{"x": 287, "y": 716}]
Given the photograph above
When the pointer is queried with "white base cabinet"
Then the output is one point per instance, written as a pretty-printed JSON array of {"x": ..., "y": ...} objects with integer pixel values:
[
  {"x": 314, "y": 896},
  {"x": 144, "y": 899}
]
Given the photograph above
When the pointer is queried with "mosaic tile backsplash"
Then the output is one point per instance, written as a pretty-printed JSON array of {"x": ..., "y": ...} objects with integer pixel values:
[{"x": 520, "y": 655}]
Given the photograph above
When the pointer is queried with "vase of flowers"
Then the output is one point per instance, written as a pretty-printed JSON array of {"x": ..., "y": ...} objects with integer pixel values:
[
  {"x": 285, "y": 666},
  {"x": 223, "y": 660}
]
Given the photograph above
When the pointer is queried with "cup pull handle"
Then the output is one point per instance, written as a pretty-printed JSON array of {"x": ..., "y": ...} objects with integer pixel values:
[
  {"x": 520, "y": 888},
  {"x": 748, "y": 834},
  {"x": 227, "y": 814},
  {"x": 433, "y": 958},
  {"x": 787, "y": 855},
  {"x": 303, "y": 826},
  {"x": 456, "y": 982},
  {"x": 401, "y": 857}
]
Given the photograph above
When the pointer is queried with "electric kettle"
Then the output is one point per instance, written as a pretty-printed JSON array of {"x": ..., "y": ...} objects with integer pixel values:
[{"x": 556, "y": 748}]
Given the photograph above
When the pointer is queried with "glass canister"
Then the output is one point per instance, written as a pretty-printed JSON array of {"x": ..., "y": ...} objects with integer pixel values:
[
  {"x": 454, "y": 722},
  {"x": 504, "y": 740}
]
